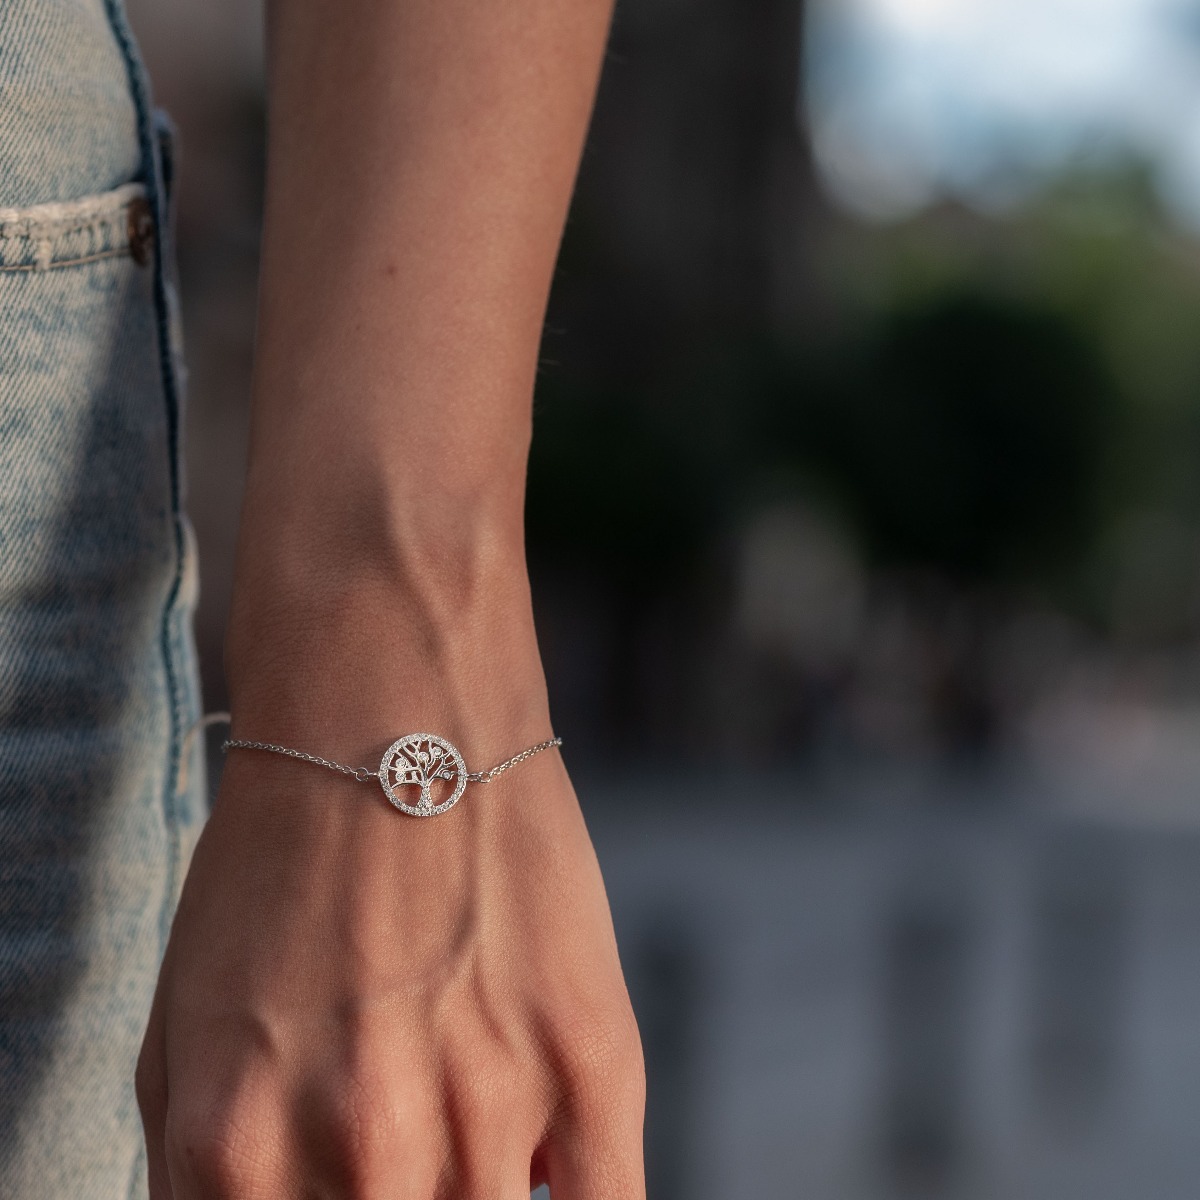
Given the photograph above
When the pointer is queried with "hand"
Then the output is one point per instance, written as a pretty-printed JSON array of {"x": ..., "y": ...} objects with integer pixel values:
[{"x": 357, "y": 1003}]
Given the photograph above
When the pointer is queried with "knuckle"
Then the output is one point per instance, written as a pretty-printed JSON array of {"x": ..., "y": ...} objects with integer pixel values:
[
  {"x": 219, "y": 1151},
  {"x": 361, "y": 1126},
  {"x": 602, "y": 1063}
]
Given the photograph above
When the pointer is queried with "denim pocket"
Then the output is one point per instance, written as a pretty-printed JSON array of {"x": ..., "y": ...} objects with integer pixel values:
[{"x": 43, "y": 237}]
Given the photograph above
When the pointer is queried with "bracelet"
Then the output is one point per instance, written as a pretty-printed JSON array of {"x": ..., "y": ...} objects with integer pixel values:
[{"x": 415, "y": 760}]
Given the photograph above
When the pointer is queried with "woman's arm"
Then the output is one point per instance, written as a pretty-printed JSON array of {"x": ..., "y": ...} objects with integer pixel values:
[
  {"x": 421, "y": 157},
  {"x": 355, "y": 1002}
]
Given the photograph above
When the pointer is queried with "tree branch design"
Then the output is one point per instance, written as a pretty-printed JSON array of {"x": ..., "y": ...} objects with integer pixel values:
[{"x": 421, "y": 762}]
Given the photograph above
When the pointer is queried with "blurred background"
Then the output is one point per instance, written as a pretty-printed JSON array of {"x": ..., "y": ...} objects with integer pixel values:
[{"x": 864, "y": 522}]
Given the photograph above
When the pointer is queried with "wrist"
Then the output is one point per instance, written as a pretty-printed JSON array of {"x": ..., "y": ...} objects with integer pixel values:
[
  {"x": 357, "y": 658},
  {"x": 381, "y": 587}
]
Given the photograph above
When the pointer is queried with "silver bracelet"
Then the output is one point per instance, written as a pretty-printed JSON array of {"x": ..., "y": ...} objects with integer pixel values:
[{"x": 415, "y": 760}]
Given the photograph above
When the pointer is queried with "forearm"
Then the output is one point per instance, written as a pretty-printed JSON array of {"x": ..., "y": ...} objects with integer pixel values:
[{"x": 421, "y": 158}]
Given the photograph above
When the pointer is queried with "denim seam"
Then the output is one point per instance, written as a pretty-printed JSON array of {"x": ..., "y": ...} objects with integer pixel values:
[
  {"x": 150, "y": 150},
  {"x": 150, "y": 147},
  {"x": 41, "y": 237},
  {"x": 118, "y": 252},
  {"x": 57, "y": 216}
]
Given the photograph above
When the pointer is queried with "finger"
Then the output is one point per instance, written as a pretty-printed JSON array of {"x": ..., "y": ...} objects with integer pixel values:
[
  {"x": 226, "y": 1139},
  {"x": 496, "y": 1184},
  {"x": 491, "y": 1126},
  {"x": 366, "y": 1135},
  {"x": 592, "y": 1147},
  {"x": 598, "y": 1159},
  {"x": 150, "y": 1083},
  {"x": 582, "y": 1168}
]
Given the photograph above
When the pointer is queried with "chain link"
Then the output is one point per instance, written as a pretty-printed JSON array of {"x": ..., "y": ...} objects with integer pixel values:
[
  {"x": 500, "y": 768},
  {"x": 363, "y": 774}
]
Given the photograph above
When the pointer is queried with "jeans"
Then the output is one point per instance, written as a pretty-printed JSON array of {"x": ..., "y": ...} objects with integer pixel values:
[{"x": 98, "y": 582}]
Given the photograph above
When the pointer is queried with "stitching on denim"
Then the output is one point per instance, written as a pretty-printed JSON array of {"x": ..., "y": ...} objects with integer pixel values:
[
  {"x": 151, "y": 149},
  {"x": 61, "y": 216},
  {"x": 54, "y": 264},
  {"x": 44, "y": 225}
]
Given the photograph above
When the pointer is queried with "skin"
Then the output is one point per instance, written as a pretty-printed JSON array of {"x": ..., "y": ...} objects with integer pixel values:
[{"x": 354, "y": 1002}]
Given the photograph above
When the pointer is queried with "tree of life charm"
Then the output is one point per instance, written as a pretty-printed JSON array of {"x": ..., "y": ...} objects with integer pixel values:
[{"x": 422, "y": 760}]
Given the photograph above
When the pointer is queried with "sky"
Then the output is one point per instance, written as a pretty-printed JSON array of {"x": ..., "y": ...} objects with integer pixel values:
[{"x": 912, "y": 101}]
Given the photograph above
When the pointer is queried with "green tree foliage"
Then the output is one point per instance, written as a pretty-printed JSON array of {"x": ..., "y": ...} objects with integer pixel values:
[{"x": 963, "y": 434}]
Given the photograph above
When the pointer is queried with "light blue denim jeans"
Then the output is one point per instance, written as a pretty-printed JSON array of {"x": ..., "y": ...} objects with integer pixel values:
[{"x": 97, "y": 588}]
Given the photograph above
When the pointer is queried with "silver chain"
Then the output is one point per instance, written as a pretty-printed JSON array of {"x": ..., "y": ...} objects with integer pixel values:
[
  {"x": 500, "y": 768},
  {"x": 363, "y": 774}
]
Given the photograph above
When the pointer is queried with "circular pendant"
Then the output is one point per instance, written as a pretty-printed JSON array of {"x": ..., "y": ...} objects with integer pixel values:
[{"x": 425, "y": 761}]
